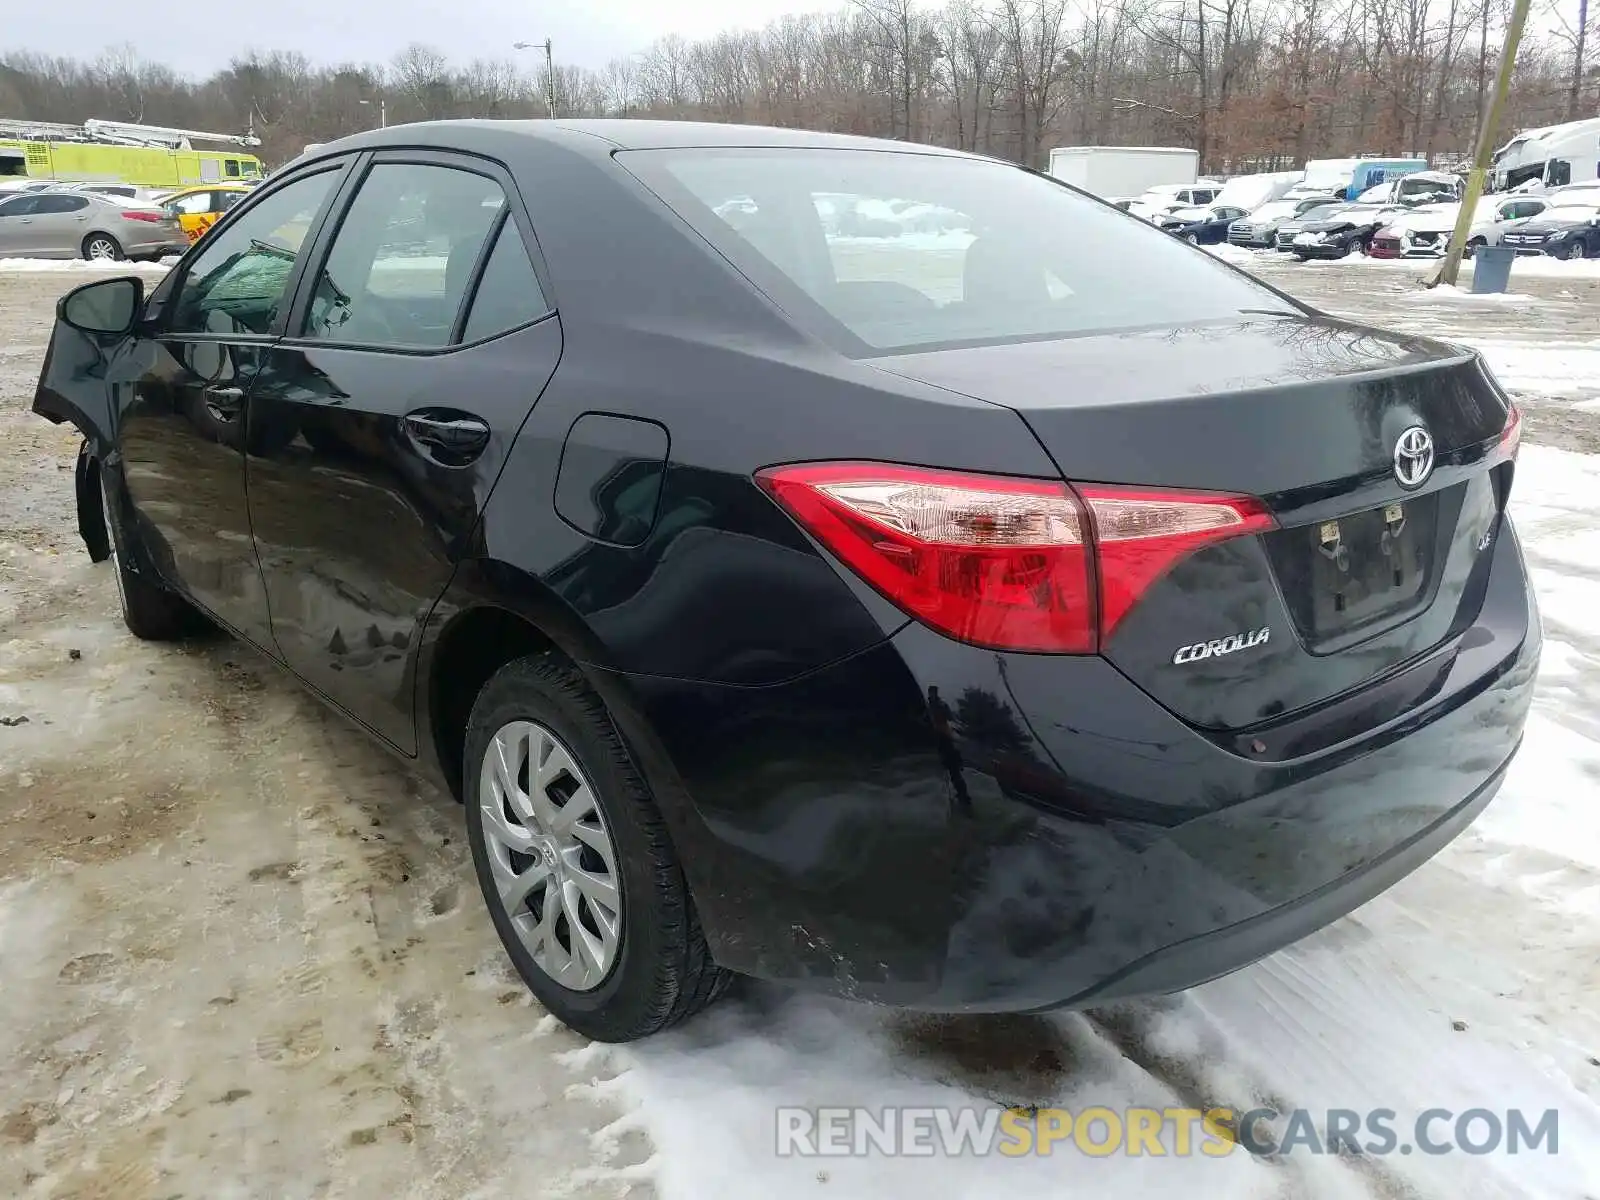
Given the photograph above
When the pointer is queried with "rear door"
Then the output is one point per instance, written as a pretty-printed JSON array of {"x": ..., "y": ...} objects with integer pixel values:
[
  {"x": 183, "y": 438},
  {"x": 59, "y": 224},
  {"x": 420, "y": 341}
]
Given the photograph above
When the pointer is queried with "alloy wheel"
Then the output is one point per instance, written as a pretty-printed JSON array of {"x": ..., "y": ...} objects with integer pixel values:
[
  {"x": 551, "y": 854},
  {"x": 102, "y": 248}
]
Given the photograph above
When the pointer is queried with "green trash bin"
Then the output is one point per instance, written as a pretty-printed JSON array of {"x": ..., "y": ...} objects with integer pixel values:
[{"x": 1491, "y": 268}]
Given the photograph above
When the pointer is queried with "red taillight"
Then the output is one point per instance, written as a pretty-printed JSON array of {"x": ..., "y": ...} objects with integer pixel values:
[
  {"x": 1015, "y": 564},
  {"x": 1140, "y": 533},
  {"x": 1511, "y": 435},
  {"x": 134, "y": 214}
]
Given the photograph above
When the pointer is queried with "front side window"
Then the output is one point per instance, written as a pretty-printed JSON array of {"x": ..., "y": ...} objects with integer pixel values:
[
  {"x": 232, "y": 166},
  {"x": 18, "y": 206},
  {"x": 237, "y": 283},
  {"x": 400, "y": 265},
  {"x": 950, "y": 250}
]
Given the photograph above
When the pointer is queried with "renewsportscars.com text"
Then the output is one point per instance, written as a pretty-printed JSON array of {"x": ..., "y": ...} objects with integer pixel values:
[{"x": 1160, "y": 1132}]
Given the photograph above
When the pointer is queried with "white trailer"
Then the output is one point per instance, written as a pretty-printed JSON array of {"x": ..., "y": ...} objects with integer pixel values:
[
  {"x": 1551, "y": 157},
  {"x": 1120, "y": 172}
]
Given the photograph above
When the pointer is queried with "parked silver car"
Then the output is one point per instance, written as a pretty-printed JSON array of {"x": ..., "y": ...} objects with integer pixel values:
[
  {"x": 126, "y": 191},
  {"x": 55, "y": 224}
]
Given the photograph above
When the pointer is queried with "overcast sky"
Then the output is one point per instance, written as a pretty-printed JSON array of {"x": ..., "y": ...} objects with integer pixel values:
[{"x": 198, "y": 38}]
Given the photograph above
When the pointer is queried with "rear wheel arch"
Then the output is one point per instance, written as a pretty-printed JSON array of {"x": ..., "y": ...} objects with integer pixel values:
[
  {"x": 491, "y": 614},
  {"x": 475, "y": 644}
]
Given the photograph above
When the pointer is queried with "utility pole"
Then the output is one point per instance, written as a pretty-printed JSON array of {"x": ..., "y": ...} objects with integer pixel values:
[
  {"x": 549, "y": 69},
  {"x": 1450, "y": 269}
]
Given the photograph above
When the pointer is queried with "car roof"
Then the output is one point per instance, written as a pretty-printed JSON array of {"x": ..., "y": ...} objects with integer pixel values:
[
  {"x": 220, "y": 186},
  {"x": 607, "y": 134}
]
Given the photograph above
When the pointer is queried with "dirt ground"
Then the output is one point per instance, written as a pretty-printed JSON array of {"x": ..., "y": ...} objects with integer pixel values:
[{"x": 241, "y": 951}]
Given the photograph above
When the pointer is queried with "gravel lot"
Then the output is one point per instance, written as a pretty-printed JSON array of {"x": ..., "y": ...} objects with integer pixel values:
[{"x": 240, "y": 950}]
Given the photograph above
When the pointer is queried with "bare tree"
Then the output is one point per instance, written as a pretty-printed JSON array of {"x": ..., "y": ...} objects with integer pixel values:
[{"x": 1248, "y": 83}]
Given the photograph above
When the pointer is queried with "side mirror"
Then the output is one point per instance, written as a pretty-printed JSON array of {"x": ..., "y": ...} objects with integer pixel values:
[{"x": 107, "y": 306}]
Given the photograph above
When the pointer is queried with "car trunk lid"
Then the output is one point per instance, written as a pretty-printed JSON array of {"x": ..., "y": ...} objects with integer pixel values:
[{"x": 1365, "y": 571}]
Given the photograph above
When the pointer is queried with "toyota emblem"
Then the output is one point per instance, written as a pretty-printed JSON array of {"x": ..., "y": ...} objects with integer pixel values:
[{"x": 1413, "y": 457}]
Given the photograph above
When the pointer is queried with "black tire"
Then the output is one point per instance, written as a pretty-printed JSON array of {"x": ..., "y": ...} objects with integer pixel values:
[
  {"x": 663, "y": 972},
  {"x": 150, "y": 611},
  {"x": 112, "y": 248},
  {"x": 1474, "y": 246},
  {"x": 1568, "y": 250}
]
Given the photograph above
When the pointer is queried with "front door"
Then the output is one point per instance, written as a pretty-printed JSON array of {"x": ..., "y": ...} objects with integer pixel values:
[
  {"x": 183, "y": 437},
  {"x": 18, "y": 235},
  {"x": 416, "y": 350}
]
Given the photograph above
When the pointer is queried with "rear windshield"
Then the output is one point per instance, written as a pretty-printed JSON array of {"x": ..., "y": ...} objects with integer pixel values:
[{"x": 915, "y": 251}]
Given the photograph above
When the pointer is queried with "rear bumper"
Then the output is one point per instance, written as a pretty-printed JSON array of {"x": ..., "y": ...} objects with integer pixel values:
[
  {"x": 156, "y": 248},
  {"x": 938, "y": 827}
]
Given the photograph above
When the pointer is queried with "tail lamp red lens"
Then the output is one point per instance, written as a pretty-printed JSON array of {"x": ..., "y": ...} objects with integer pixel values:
[
  {"x": 1511, "y": 435},
  {"x": 1003, "y": 562},
  {"x": 136, "y": 214}
]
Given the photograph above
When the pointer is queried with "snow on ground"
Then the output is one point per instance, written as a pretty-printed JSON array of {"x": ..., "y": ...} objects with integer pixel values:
[
  {"x": 93, "y": 266},
  {"x": 1527, "y": 266},
  {"x": 1473, "y": 984}
]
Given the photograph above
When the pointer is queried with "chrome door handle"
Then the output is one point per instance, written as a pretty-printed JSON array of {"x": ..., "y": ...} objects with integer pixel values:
[
  {"x": 225, "y": 402},
  {"x": 448, "y": 437}
]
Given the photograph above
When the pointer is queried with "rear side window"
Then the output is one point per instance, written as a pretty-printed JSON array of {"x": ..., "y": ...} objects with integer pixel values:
[
  {"x": 508, "y": 294},
  {"x": 236, "y": 284},
  {"x": 60, "y": 204},
  {"x": 881, "y": 251},
  {"x": 191, "y": 205},
  {"x": 400, "y": 265}
]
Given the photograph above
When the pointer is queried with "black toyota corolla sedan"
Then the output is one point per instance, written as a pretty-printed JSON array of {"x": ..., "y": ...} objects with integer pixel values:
[{"x": 1019, "y": 615}]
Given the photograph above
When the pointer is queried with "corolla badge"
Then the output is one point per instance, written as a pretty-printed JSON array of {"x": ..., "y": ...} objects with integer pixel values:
[
  {"x": 1413, "y": 457},
  {"x": 1216, "y": 648}
]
